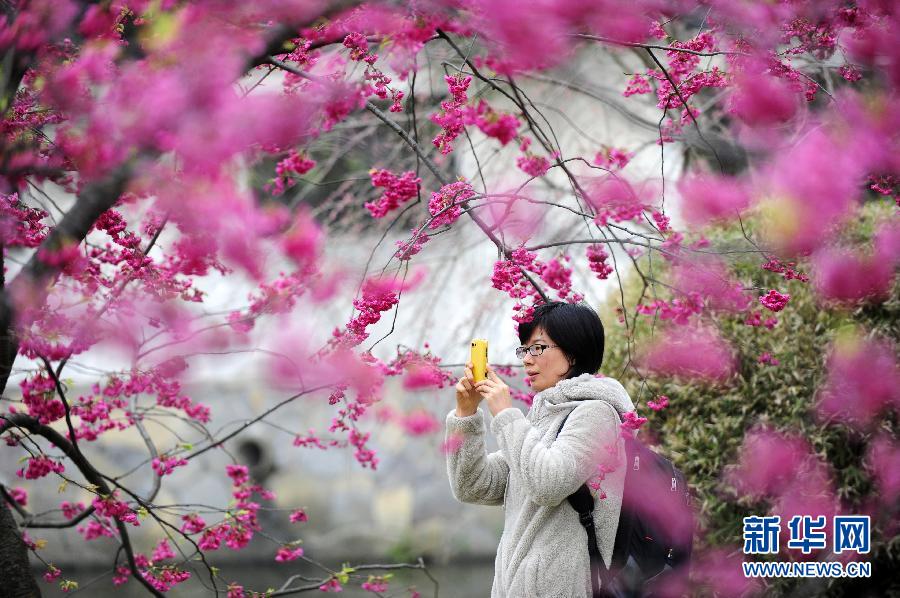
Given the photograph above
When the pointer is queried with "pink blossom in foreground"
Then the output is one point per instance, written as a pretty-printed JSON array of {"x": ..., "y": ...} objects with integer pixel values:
[
  {"x": 768, "y": 462},
  {"x": 708, "y": 198},
  {"x": 422, "y": 375},
  {"x": 614, "y": 198},
  {"x": 761, "y": 99},
  {"x": 303, "y": 242},
  {"x": 810, "y": 492},
  {"x": 420, "y": 423},
  {"x": 679, "y": 311},
  {"x": 774, "y": 301},
  {"x": 710, "y": 279},
  {"x": 719, "y": 572},
  {"x": 515, "y": 216},
  {"x": 883, "y": 462},
  {"x": 692, "y": 352},
  {"x": 530, "y": 35},
  {"x": 846, "y": 276},
  {"x": 298, "y": 516},
  {"x": 812, "y": 187},
  {"x": 409, "y": 248},
  {"x": 863, "y": 378},
  {"x": 673, "y": 516},
  {"x": 452, "y": 444}
]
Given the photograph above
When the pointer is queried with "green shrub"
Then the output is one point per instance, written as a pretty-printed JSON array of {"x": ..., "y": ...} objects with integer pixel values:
[{"x": 704, "y": 425}]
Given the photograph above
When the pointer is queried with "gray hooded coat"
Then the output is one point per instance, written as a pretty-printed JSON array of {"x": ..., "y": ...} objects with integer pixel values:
[{"x": 543, "y": 550}]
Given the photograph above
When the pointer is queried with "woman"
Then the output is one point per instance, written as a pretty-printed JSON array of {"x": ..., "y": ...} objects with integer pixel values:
[{"x": 543, "y": 550}]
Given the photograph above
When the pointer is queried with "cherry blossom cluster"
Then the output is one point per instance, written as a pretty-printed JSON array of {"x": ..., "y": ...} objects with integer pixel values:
[
  {"x": 766, "y": 358},
  {"x": 376, "y": 583},
  {"x": 558, "y": 277},
  {"x": 376, "y": 299},
  {"x": 21, "y": 225},
  {"x": 165, "y": 465},
  {"x": 40, "y": 466},
  {"x": 407, "y": 249},
  {"x": 501, "y": 126},
  {"x": 378, "y": 82},
  {"x": 397, "y": 190},
  {"x": 597, "y": 256},
  {"x": 19, "y": 496},
  {"x": 288, "y": 553},
  {"x": 39, "y": 396},
  {"x": 613, "y": 158},
  {"x": 631, "y": 422},
  {"x": 682, "y": 73},
  {"x": 444, "y": 205},
  {"x": 786, "y": 269},
  {"x": 754, "y": 318},
  {"x": 238, "y": 529},
  {"x": 452, "y": 117},
  {"x": 661, "y": 402},
  {"x": 774, "y": 301},
  {"x": 295, "y": 164}
]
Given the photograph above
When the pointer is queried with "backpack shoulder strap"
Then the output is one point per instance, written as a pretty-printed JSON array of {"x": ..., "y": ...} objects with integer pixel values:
[{"x": 583, "y": 503}]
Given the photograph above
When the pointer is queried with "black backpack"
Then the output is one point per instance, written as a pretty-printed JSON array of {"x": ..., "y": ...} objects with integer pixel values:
[{"x": 650, "y": 556}]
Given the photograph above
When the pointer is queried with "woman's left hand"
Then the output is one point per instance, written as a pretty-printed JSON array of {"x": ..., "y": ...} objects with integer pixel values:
[{"x": 494, "y": 391}]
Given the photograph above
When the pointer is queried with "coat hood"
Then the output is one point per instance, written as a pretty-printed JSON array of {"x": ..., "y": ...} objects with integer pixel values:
[{"x": 585, "y": 387}]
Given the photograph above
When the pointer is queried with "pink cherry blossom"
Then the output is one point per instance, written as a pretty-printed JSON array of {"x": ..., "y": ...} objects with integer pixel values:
[
  {"x": 692, "y": 352},
  {"x": 287, "y": 553},
  {"x": 661, "y": 402},
  {"x": 445, "y": 205},
  {"x": 708, "y": 198},
  {"x": 862, "y": 379},
  {"x": 397, "y": 190},
  {"x": 774, "y": 301},
  {"x": 846, "y": 276}
]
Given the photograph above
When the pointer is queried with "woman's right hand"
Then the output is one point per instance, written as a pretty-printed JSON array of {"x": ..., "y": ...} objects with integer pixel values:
[{"x": 467, "y": 398}]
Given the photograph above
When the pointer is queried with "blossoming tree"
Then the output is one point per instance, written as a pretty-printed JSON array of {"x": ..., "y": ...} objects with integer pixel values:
[{"x": 146, "y": 114}]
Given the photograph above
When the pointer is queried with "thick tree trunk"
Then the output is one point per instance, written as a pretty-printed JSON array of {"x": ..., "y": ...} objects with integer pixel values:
[{"x": 15, "y": 572}]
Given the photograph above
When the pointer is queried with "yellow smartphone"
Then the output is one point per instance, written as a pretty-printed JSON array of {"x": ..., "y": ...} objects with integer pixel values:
[{"x": 479, "y": 358}]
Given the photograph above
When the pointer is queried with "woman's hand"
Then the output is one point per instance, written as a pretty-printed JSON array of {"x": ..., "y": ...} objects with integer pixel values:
[
  {"x": 495, "y": 391},
  {"x": 467, "y": 398}
]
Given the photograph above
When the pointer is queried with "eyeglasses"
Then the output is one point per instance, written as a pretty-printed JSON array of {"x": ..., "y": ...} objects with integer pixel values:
[{"x": 535, "y": 350}]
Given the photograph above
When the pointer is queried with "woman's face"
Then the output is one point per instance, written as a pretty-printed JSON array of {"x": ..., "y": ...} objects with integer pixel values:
[{"x": 548, "y": 368}]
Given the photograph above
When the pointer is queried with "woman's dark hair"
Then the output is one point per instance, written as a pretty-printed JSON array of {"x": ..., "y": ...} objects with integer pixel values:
[{"x": 575, "y": 327}]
